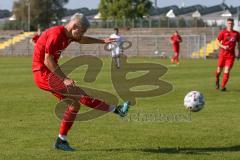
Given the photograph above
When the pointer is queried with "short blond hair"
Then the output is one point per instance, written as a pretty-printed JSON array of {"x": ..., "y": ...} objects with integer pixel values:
[{"x": 83, "y": 21}]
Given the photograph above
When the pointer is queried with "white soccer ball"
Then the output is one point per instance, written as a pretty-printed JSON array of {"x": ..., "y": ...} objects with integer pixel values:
[
  {"x": 194, "y": 101},
  {"x": 156, "y": 52}
]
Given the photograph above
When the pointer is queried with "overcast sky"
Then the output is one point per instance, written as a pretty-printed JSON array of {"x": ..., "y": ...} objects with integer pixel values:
[{"x": 7, "y": 4}]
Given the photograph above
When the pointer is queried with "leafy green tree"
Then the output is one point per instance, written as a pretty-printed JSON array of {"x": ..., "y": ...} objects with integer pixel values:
[
  {"x": 164, "y": 22},
  {"x": 42, "y": 12},
  {"x": 128, "y": 9},
  {"x": 181, "y": 22},
  {"x": 200, "y": 23},
  {"x": 84, "y": 10},
  {"x": 4, "y": 13}
]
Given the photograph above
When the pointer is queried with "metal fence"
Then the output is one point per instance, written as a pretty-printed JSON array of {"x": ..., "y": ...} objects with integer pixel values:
[
  {"x": 161, "y": 22},
  {"x": 142, "y": 45},
  {"x": 151, "y": 23}
]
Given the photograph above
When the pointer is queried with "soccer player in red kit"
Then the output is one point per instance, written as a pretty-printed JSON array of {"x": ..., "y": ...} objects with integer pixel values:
[
  {"x": 45, "y": 63},
  {"x": 176, "y": 39},
  {"x": 227, "y": 42}
]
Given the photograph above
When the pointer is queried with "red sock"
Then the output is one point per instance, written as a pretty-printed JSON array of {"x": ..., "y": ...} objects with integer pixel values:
[
  {"x": 70, "y": 115},
  {"x": 94, "y": 103},
  {"x": 67, "y": 120},
  {"x": 217, "y": 77},
  {"x": 225, "y": 79}
]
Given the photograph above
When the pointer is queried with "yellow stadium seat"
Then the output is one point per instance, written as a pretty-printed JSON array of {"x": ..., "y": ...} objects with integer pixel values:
[{"x": 15, "y": 39}]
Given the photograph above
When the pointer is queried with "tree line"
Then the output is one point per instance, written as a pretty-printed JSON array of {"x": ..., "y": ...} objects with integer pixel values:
[{"x": 44, "y": 12}]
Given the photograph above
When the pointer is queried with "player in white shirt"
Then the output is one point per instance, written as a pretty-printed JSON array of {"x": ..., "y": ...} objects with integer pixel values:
[{"x": 116, "y": 47}]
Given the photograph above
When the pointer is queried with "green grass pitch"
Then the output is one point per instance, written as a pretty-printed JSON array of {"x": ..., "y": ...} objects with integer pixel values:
[{"x": 28, "y": 125}]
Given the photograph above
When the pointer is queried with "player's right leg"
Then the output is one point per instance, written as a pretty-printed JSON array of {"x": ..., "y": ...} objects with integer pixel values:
[
  {"x": 78, "y": 94},
  {"x": 221, "y": 64},
  {"x": 94, "y": 103},
  {"x": 118, "y": 57},
  {"x": 41, "y": 79},
  {"x": 218, "y": 73},
  {"x": 173, "y": 59}
]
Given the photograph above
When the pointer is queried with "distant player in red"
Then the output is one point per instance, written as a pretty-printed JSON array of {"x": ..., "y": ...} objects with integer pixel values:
[
  {"x": 176, "y": 39},
  {"x": 45, "y": 63},
  {"x": 227, "y": 42},
  {"x": 36, "y": 36}
]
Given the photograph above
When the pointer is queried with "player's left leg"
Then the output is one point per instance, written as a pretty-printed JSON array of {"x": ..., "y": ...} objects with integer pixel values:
[
  {"x": 117, "y": 61},
  {"x": 67, "y": 121},
  {"x": 173, "y": 59},
  {"x": 228, "y": 65},
  {"x": 177, "y": 57},
  {"x": 114, "y": 57},
  {"x": 225, "y": 78}
]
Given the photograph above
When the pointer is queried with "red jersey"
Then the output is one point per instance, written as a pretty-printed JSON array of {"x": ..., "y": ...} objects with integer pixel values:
[
  {"x": 176, "y": 39},
  {"x": 53, "y": 41},
  {"x": 35, "y": 38},
  {"x": 229, "y": 38}
]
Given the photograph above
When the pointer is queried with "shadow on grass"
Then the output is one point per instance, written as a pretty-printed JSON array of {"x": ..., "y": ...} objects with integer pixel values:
[{"x": 177, "y": 150}]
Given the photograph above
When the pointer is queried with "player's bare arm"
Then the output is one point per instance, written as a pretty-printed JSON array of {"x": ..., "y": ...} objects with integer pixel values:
[
  {"x": 91, "y": 40},
  {"x": 32, "y": 42},
  {"x": 53, "y": 66},
  {"x": 222, "y": 46},
  {"x": 238, "y": 56},
  {"x": 180, "y": 40}
]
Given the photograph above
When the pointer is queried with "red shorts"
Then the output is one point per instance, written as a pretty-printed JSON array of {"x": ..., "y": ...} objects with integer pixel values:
[
  {"x": 50, "y": 82},
  {"x": 226, "y": 60},
  {"x": 176, "y": 48}
]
